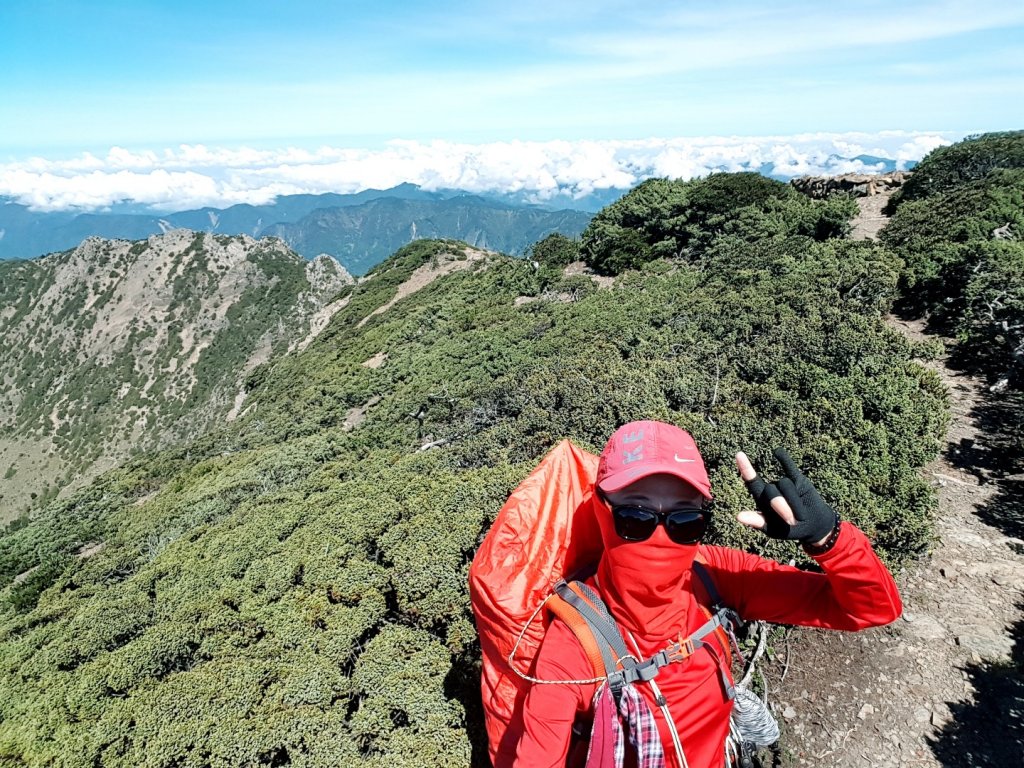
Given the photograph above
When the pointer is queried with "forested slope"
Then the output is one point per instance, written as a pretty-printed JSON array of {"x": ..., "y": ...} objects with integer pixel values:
[
  {"x": 361, "y": 236},
  {"x": 291, "y": 589}
]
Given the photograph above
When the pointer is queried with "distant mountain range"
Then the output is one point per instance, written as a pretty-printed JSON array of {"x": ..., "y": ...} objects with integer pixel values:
[
  {"x": 361, "y": 236},
  {"x": 359, "y": 229}
]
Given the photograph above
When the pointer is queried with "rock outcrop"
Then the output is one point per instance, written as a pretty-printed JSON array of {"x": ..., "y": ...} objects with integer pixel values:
[{"x": 856, "y": 184}]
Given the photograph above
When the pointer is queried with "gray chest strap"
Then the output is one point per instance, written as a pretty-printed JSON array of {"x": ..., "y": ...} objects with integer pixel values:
[{"x": 622, "y": 667}]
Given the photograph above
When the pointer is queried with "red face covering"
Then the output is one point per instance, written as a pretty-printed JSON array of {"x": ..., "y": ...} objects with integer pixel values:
[{"x": 642, "y": 581}]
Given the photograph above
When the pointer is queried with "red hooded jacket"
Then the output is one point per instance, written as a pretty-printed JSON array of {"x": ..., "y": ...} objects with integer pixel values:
[{"x": 648, "y": 587}]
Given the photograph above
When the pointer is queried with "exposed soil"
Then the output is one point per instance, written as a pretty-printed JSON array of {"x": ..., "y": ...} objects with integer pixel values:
[
  {"x": 376, "y": 361},
  {"x": 869, "y": 222},
  {"x": 321, "y": 320},
  {"x": 444, "y": 264},
  {"x": 942, "y": 686},
  {"x": 357, "y": 415},
  {"x": 580, "y": 268}
]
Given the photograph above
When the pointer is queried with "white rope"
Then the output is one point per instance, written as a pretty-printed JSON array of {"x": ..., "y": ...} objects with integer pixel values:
[
  {"x": 732, "y": 741},
  {"x": 519, "y": 639},
  {"x": 663, "y": 705},
  {"x": 753, "y": 719}
]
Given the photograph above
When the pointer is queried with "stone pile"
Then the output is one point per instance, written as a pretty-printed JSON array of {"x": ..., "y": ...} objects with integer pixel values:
[{"x": 856, "y": 184}]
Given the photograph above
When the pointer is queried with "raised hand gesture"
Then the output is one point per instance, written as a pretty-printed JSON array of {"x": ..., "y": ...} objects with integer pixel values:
[{"x": 790, "y": 509}]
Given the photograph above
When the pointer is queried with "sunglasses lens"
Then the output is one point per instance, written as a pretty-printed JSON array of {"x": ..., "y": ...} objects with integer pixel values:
[
  {"x": 686, "y": 527},
  {"x": 634, "y": 523}
]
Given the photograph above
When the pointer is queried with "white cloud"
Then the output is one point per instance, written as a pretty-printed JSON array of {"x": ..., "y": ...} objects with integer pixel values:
[{"x": 192, "y": 176}]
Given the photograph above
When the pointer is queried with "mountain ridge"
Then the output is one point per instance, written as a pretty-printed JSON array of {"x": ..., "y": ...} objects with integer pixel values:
[
  {"x": 114, "y": 341},
  {"x": 25, "y": 233},
  {"x": 361, "y": 235}
]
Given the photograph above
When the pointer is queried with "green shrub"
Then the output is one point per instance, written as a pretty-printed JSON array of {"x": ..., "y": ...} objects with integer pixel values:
[
  {"x": 991, "y": 328},
  {"x": 953, "y": 166},
  {"x": 682, "y": 219},
  {"x": 556, "y": 250},
  {"x": 959, "y": 237},
  {"x": 940, "y": 238},
  {"x": 292, "y": 588}
]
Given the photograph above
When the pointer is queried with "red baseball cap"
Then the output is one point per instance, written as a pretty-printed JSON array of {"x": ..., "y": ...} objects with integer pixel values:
[{"x": 643, "y": 448}]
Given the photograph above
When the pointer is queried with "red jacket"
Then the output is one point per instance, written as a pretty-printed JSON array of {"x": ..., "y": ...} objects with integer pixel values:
[{"x": 854, "y": 592}]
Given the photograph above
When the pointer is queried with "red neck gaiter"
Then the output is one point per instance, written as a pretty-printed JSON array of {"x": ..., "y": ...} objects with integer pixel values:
[{"x": 642, "y": 581}]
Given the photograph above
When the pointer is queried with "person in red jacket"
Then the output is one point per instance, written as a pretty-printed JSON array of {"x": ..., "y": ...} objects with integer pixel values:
[{"x": 655, "y": 488}]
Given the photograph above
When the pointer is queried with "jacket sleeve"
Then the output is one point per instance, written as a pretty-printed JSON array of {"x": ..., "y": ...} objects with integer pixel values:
[
  {"x": 855, "y": 590},
  {"x": 550, "y": 710}
]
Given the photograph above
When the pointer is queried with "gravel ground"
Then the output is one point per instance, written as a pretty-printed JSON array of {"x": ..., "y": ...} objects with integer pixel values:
[{"x": 942, "y": 686}]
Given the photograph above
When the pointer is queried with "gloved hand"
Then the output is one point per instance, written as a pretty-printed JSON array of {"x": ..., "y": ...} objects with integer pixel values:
[{"x": 812, "y": 519}]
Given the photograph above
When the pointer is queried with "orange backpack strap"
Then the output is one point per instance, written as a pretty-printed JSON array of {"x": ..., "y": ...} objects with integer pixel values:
[
  {"x": 585, "y": 613},
  {"x": 571, "y": 617},
  {"x": 720, "y": 634}
]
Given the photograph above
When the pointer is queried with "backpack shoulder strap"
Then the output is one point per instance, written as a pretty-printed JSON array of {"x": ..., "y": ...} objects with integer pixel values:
[
  {"x": 587, "y": 616},
  {"x": 718, "y": 607},
  {"x": 583, "y": 611},
  {"x": 700, "y": 568}
]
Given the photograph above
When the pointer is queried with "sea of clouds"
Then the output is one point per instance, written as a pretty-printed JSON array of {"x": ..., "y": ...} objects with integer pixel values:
[{"x": 192, "y": 176}]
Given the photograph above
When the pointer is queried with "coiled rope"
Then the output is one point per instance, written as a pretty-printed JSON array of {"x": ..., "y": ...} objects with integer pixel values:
[{"x": 752, "y": 721}]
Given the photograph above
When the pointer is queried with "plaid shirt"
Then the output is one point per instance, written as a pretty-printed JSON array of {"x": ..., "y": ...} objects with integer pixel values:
[{"x": 607, "y": 740}]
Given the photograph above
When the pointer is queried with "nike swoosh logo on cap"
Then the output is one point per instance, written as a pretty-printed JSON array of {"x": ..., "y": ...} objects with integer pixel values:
[{"x": 683, "y": 461}]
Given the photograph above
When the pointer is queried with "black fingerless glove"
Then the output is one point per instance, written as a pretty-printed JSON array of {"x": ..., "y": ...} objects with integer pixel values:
[{"x": 814, "y": 518}]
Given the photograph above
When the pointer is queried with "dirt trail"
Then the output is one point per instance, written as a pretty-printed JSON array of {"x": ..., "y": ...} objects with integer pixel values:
[
  {"x": 940, "y": 686},
  {"x": 870, "y": 220}
]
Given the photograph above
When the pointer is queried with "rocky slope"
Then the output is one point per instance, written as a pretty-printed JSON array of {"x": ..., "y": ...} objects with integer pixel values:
[
  {"x": 856, "y": 184},
  {"x": 117, "y": 346}
]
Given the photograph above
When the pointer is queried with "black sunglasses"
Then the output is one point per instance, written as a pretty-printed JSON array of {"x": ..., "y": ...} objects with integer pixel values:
[{"x": 683, "y": 526}]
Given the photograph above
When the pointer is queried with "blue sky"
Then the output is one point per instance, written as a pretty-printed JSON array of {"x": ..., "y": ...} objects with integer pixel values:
[
  {"x": 89, "y": 75},
  {"x": 111, "y": 99}
]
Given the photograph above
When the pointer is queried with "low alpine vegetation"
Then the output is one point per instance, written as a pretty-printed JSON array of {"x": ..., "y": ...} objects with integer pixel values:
[{"x": 291, "y": 589}]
